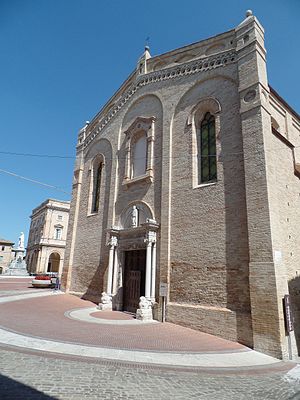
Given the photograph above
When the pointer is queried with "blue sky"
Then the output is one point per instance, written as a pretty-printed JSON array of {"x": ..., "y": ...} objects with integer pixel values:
[{"x": 63, "y": 59}]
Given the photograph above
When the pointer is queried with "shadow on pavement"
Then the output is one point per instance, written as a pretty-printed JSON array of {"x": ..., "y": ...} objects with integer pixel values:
[{"x": 11, "y": 389}]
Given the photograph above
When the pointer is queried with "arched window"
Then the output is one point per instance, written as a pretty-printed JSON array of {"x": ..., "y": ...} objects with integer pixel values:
[
  {"x": 206, "y": 146},
  {"x": 139, "y": 155},
  {"x": 139, "y": 148},
  {"x": 97, "y": 172}
]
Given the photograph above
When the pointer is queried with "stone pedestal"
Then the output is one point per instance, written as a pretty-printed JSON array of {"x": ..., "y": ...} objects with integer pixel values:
[
  {"x": 144, "y": 312},
  {"x": 18, "y": 266},
  {"x": 105, "y": 303},
  {"x": 144, "y": 315}
]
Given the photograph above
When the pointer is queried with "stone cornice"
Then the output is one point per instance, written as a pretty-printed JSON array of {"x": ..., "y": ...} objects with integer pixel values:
[
  {"x": 177, "y": 71},
  {"x": 48, "y": 206}
]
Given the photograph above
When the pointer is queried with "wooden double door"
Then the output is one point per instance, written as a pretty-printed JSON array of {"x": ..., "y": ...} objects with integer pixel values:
[{"x": 134, "y": 279}]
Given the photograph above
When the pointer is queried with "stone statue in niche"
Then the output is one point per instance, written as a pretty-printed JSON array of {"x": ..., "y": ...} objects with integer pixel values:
[{"x": 134, "y": 217}]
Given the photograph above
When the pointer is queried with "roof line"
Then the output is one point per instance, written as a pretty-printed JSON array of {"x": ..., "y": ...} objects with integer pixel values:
[
  {"x": 273, "y": 91},
  {"x": 131, "y": 75}
]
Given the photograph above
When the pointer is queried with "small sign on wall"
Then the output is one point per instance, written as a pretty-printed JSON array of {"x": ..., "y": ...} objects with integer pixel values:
[
  {"x": 278, "y": 256},
  {"x": 163, "y": 289}
]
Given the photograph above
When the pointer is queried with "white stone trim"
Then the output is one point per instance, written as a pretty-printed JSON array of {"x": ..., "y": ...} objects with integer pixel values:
[
  {"x": 141, "y": 126},
  {"x": 189, "y": 68},
  {"x": 211, "y": 105}
]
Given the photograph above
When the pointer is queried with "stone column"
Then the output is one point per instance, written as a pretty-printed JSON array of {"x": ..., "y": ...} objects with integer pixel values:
[
  {"x": 150, "y": 147},
  {"x": 153, "y": 277},
  {"x": 150, "y": 266},
  {"x": 127, "y": 161},
  {"x": 112, "y": 243},
  {"x": 106, "y": 297},
  {"x": 115, "y": 272},
  {"x": 148, "y": 270}
]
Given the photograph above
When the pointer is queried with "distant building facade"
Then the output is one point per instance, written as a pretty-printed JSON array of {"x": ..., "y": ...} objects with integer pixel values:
[
  {"x": 188, "y": 180},
  {"x": 6, "y": 254},
  {"x": 47, "y": 237}
]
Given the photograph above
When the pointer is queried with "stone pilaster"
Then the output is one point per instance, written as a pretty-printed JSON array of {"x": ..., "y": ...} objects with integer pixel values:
[{"x": 255, "y": 123}]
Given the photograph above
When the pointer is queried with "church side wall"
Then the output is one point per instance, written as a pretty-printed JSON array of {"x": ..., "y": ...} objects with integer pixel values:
[
  {"x": 284, "y": 192},
  {"x": 209, "y": 242}
]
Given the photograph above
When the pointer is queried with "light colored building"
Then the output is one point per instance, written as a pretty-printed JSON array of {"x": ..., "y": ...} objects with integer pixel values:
[
  {"x": 188, "y": 180},
  {"x": 6, "y": 254},
  {"x": 47, "y": 237}
]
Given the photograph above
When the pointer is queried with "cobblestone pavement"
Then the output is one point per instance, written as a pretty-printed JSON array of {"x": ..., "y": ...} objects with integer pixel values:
[{"x": 31, "y": 376}]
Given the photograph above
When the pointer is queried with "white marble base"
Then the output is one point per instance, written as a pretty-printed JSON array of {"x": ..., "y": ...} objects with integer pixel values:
[
  {"x": 144, "y": 314},
  {"x": 106, "y": 302},
  {"x": 105, "y": 307}
]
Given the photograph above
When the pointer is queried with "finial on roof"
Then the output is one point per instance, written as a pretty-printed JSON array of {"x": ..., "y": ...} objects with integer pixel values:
[
  {"x": 249, "y": 13},
  {"x": 147, "y": 43},
  {"x": 142, "y": 62}
]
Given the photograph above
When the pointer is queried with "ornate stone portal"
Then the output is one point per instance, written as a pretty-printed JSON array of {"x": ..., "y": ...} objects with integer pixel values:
[{"x": 134, "y": 237}]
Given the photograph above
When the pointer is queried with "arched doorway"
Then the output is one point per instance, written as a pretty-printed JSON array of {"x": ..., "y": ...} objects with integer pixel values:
[{"x": 53, "y": 263}]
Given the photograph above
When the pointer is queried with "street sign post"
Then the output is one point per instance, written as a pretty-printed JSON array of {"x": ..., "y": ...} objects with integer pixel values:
[
  {"x": 163, "y": 292},
  {"x": 289, "y": 320}
]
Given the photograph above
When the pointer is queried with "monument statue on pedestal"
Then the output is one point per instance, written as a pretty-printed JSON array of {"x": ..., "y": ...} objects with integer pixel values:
[
  {"x": 17, "y": 267},
  {"x": 21, "y": 241}
]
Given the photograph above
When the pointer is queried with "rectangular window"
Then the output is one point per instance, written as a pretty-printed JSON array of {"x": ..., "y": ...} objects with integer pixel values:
[
  {"x": 2, "y": 248},
  {"x": 58, "y": 232}
]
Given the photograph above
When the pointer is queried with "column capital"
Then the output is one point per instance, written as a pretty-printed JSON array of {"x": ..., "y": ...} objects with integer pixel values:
[
  {"x": 150, "y": 237},
  {"x": 113, "y": 241}
]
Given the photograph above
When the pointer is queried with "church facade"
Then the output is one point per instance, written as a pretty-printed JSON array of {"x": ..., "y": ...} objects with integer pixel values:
[{"x": 187, "y": 182}]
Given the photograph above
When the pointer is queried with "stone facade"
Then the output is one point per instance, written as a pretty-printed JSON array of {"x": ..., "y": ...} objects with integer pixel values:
[
  {"x": 226, "y": 248},
  {"x": 47, "y": 237},
  {"x": 6, "y": 254}
]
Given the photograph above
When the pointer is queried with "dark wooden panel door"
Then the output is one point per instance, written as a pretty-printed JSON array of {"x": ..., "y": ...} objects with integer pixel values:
[
  {"x": 133, "y": 283},
  {"x": 134, "y": 279}
]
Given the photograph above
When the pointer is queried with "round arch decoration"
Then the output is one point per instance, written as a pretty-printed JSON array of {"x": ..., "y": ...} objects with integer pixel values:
[{"x": 135, "y": 214}]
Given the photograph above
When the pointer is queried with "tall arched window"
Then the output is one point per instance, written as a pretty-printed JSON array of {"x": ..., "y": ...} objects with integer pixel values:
[
  {"x": 97, "y": 171},
  {"x": 139, "y": 148},
  {"x": 139, "y": 155},
  {"x": 207, "y": 154}
]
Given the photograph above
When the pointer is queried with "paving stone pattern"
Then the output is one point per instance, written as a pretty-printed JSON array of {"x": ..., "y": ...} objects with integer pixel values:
[{"x": 30, "y": 376}]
